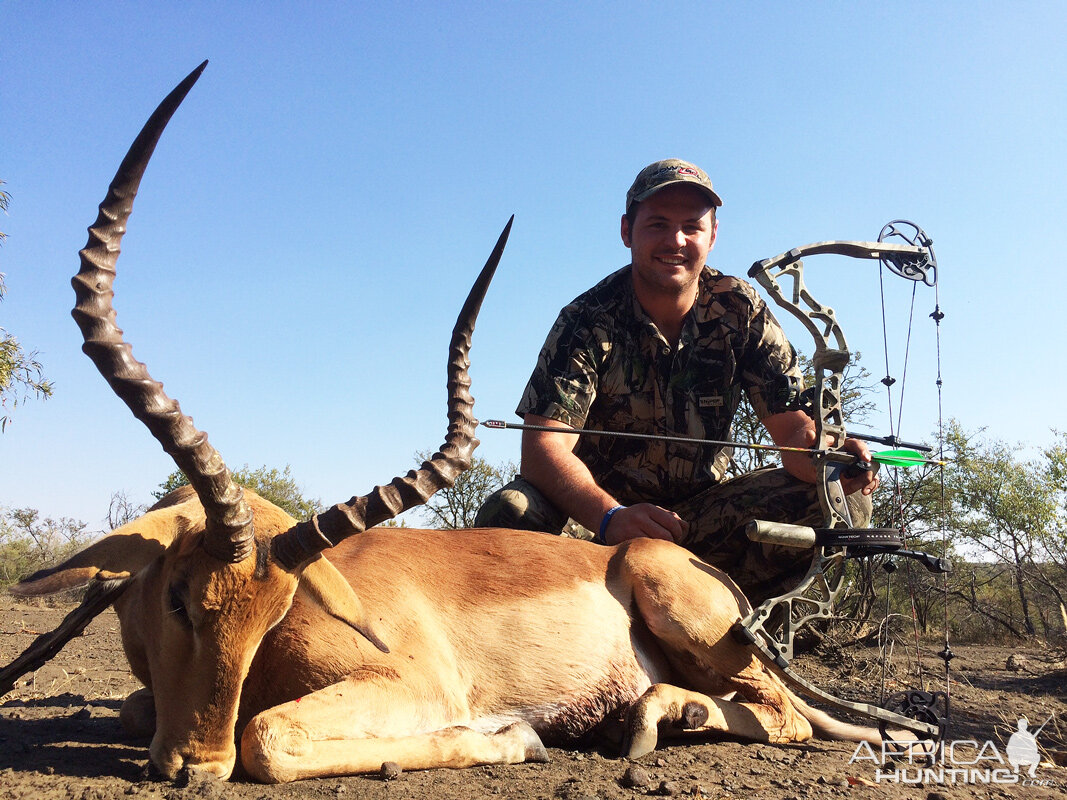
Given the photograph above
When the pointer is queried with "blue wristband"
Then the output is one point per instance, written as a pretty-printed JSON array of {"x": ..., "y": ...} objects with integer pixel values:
[{"x": 604, "y": 523}]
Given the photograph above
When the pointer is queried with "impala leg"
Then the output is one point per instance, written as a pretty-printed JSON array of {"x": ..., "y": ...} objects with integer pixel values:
[
  {"x": 667, "y": 706},
  {"x": 690, "y": 608},
  {"x": 357, "y": 725}
]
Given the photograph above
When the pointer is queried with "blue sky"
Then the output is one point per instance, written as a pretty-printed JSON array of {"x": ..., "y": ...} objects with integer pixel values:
[{"x": 319, "y": 205}]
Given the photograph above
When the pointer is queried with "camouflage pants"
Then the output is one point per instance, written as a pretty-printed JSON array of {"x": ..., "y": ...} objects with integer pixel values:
[{"x": 717, "y": 518}]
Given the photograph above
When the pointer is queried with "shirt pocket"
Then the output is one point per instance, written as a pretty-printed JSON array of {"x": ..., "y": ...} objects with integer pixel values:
[
  {"x": 709, "y": 409},
  {"x": 628, "y": 408}
]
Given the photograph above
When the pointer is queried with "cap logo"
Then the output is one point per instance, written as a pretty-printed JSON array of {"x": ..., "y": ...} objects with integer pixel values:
[{"x": 676, "y": 169}]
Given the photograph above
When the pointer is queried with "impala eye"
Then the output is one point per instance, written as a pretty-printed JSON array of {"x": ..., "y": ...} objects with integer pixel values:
[{"x": 176, "y": 601}]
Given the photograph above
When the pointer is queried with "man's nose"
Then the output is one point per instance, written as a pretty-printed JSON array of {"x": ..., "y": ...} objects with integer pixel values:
[{"x": 678, "y": 237}]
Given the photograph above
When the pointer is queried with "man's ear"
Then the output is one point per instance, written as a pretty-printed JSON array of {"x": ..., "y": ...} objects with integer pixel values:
[{"x": 624, "y": 230}]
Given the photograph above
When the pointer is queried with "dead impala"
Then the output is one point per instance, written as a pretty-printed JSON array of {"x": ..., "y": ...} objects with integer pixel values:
[{"x": 315, "y": 651}]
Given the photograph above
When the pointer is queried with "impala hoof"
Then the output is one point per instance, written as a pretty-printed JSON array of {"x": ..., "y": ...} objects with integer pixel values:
[
  {"x": 694, "y": 715},
  {"x": 535, "y": 748},
  {"x": 640, "y": 744}
]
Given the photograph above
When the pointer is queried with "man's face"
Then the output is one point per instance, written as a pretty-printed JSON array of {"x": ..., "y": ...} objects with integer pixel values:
[{"x": 670, "y": 239}]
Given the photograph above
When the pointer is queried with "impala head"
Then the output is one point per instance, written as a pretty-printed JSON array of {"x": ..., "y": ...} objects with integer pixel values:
[
  {"x": 213, "y": 567},
  {"x": 192, "y": 623}
]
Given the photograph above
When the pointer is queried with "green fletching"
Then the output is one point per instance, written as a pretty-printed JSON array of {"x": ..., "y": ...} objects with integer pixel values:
[{"x": 902, "y": 458}]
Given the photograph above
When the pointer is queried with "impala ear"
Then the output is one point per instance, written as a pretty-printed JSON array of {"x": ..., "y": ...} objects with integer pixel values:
[
  {"x": 325, "y": 586},
  {"x": 123, "y": 552},
  {"x": 58, "y": 579}
]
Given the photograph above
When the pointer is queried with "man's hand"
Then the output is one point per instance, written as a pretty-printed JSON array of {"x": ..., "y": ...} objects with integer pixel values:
[
  {"x": 859, "y": 480},
  {"x": 647, "y": 521},
  {"x": 796, "y": 429}
]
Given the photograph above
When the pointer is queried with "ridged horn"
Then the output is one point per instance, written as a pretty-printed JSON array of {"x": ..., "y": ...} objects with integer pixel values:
[
  {"x": 229, "y": 530},
  {"x": 306, "y": 539}
]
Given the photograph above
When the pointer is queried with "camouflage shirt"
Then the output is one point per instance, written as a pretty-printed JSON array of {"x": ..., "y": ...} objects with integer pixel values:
[{"x": 606, "y": 366}]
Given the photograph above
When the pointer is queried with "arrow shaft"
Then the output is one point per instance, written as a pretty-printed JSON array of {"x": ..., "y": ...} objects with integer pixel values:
[
  {"x": 891, "y": 458},
  {"x": 498, "y": 424}
]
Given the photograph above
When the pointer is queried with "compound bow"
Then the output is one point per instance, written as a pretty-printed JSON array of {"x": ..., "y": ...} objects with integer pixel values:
[{"x": 770, "y": 628}]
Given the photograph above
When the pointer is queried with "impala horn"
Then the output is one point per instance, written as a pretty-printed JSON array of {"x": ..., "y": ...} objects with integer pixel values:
[
  {"x": 306, "y": 539},
  {"x": 229, "y": 534}
]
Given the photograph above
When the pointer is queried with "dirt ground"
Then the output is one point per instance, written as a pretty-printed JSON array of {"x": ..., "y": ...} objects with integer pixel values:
[{"x": 60, "y": 738}]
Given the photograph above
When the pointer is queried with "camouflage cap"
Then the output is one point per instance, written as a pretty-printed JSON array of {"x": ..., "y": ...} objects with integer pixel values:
[{"x": 665, "y": 173}]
